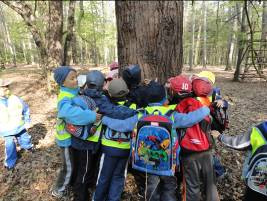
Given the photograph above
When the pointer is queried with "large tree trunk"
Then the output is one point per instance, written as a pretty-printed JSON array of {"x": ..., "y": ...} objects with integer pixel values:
[
  {"x": 204, "y": 57},
  {"x": 191, "y": 51},
  {"x": 240, "y": 40},
  {"x": 150, "y": 34}
]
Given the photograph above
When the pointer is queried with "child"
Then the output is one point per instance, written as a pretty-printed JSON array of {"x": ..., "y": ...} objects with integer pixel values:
[
  {"x": 159, "y": 188},
  {"x": 195, "y": 143},
  {"x": 115, "y": 152},
  {"x": 137, "y": 95},
  {"x": 14, "y": 120},
  {"x": 68, "y": 112},
  {"x": 254, "y": 170}
]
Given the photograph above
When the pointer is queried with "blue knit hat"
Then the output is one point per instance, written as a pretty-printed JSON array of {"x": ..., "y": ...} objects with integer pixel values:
[{"x": 61, "y": 73}]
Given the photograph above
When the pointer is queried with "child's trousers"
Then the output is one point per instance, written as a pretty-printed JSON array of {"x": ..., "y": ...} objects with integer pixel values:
[
  {"x": 111, "y": 178},
  {"x": 86, "y": 166},
  {"x": 66, "y": 170},
  {"x": 161, "y": 188},
  {"x": 198, "y": 168},
  {"x": 23, "y": 139}
]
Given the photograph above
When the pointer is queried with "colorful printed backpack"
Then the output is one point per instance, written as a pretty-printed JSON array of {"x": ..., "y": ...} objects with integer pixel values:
[
  {"x": 256, "y": 178},
  {"x": 155, "y": 148}
]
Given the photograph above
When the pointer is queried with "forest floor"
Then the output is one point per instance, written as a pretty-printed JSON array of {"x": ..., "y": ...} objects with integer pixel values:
[{"x": 33, "y": 177}]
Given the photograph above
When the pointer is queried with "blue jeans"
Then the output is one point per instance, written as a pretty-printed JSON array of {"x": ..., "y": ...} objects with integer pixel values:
[
  {"x": 24, "y": 140},
  {"x": 111, "y": 178}
]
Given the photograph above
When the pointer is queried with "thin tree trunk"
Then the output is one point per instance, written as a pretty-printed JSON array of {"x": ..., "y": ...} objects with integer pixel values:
[
  {"x": 31, "y": 52},
  {"x": 191, "y": 51},
  {"x": 69, "y": 36},
  {"x": 150, "y": 34},
  {"x": 230, "y": 43},
  {"x": 240, "y": 41},
  {"x": 24, "y": 52},
  {"x": 204, "y": 58},
  {"x": 198, "y": 44},
  {"x": 8, "y": 38}
]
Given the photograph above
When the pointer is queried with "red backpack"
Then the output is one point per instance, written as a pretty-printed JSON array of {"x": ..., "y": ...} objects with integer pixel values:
[{"x": 196, "y": 138}]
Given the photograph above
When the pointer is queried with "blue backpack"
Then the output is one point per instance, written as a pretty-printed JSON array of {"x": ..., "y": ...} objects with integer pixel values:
[{"x": 155, "y": 147}]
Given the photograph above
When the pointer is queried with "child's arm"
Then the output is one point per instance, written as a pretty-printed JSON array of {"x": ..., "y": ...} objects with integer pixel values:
[
  {"x": 74, "y": 114},
  {"x": 238, "y": 142},
  {"x": 113, "y": 111},
  {"x": 125, "y": 125},
  {"x": 182, "y": 120},
  {"x": 26, "y": 113}
]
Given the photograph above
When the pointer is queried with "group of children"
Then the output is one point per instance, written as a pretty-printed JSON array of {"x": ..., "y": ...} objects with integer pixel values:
[{"x": 96, "y": 124}]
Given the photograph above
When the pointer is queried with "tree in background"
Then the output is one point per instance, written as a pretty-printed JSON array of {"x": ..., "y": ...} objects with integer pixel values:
[{"x": 150, "y": 34}]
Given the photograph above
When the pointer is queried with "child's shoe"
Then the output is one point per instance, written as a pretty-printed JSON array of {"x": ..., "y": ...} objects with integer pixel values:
[{"x": 58, "y": 194}]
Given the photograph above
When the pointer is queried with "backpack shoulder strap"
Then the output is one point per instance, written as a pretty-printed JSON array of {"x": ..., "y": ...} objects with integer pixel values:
[{"x": 169, "y": 113}]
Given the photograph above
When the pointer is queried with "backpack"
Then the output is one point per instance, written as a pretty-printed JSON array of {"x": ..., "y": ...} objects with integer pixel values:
[
  {"x": 155, "y": 148},
  {"x": 220, "y": 119},
  {"x": 196, "y": 138},
  {"x": 83, "y": 132},
  {"x": 256, "y": 178}
]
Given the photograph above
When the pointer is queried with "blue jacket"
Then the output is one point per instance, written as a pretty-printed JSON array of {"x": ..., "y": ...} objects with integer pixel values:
[
  {"x": 74, "y": 110},
  {"x": 180, "y": 120},
  {"x": 7, "y": 126},
  {"x": 127, "y": 125},
  {"x": 107, "y": 108}
]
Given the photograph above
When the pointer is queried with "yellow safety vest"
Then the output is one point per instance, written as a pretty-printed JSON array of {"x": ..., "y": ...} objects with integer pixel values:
[
  {"x": 256, "y": 139},
  {"x": 11, "y": 115},
  {"x": 116, "y": 144},
  {"x": 61, "y": 133}
]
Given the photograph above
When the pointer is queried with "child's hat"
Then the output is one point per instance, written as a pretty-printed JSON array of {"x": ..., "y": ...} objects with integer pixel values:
[
  {"x": 61, "y": 73},
  {"x": 155, "y": 93},
  {"x": 95, "y": 80},
  {"x": 118, "y": 88},
  {"x": 202, "y": 87},
  {"x": 4, "y": 83},
  {"x": 180, "y": 84},
  {"x": 207, "y": 74},
  {"x": 132, "y": 75}
]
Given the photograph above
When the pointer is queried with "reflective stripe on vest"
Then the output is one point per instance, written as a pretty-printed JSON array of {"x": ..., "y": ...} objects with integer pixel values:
[
  {"x": 206, "y": 101},
  {"x": 116, "y": 144},
  {"x": 61, "y": 133},
  {"x": 95, "y": 137},
  {"x": 256, "y": 139}
]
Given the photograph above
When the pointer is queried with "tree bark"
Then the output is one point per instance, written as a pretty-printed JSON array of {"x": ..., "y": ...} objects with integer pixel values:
[
  {"x": 150, "y": 34},
  {"x": 191, "y": 51},
  {"x": 69, "y": 36},
  {"x": 240, "y": 40},
  {"x": 204, "y": 58}
]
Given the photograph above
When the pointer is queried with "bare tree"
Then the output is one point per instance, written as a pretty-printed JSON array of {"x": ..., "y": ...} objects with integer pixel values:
[
  {"x": 49, "y": 45},
  {"x": 204, "y": 57},
  {"x": 240, "y": 40},
  {"x": 191, "y": 51},
  {"x": 69, "y": 37}
]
